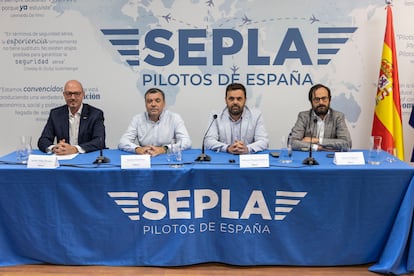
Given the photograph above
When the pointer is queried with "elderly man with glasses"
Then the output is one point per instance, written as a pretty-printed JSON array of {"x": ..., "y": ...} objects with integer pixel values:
[{"x": 322, "y": 126}]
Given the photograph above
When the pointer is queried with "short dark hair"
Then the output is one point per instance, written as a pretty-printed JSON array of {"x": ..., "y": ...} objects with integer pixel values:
[
  {"x": 153, "y": 91},
  {"x": 236, "y": 86},
  {"x": 316, "y": 87}
]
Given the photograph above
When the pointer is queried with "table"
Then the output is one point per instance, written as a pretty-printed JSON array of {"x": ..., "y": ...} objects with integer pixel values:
[{"x": 287, "y": 214}]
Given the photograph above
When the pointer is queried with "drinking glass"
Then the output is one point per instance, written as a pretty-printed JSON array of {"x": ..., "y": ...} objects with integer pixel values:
[
  {"x": 392, "y": 157},
  {"x": 375, "y": 152},
  {"x": 175, "y": 155},
  {"x": 285, "y": 150},
  {"x": 169, "y": 155},
  {"x": 24, "y": 149}
]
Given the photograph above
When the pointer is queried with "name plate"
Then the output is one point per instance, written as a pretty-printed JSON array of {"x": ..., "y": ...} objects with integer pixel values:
[
  {"x": 135, "y": 161},
  {"x": 254, "y": 161},
  {"x": 42, "y": 161},
  {"x": 349, "y": 158}
]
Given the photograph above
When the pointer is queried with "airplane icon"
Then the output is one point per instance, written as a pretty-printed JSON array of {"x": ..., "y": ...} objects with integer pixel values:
[
  {"x": 234, "y": 69},
  {"x": 246, "y": 20},
  {"x": 313, "y": 19},
  {"x": 210, "y": 3},
  {"x": 167, "y": 17}
]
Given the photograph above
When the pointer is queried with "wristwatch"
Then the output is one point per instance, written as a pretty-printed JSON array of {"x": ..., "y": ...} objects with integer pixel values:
[{"x": 165, "y": 148}]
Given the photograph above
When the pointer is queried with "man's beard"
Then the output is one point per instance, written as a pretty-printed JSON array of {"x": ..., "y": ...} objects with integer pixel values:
[
  {"x": 235, "y": 112},
  {"x": 321, "y": 111}
]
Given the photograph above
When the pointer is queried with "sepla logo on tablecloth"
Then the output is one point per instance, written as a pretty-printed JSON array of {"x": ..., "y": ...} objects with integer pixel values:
[
  {"x": 165, "y": 213},
  {"x": 204, "y": 200}
]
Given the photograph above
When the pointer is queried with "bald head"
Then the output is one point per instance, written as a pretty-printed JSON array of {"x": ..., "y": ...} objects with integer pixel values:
[{"x": 73, "y": 94}]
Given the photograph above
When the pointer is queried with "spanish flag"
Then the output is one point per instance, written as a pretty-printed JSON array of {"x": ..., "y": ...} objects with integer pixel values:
[{"x": 387, "y": 118}]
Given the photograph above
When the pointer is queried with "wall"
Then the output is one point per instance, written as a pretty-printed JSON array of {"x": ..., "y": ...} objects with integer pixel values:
[{"x": 192, "y": 50}]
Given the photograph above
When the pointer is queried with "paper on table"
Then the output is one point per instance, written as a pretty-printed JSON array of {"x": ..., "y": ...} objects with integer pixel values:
[{"x": 67, "y": 157}]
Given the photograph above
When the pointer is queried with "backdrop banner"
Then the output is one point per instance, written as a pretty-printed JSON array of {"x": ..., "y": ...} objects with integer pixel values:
[{"x": 120, "y": 49}]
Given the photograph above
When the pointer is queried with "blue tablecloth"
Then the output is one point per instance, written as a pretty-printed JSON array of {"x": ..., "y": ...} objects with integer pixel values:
[{"x": 287, "y": 214}]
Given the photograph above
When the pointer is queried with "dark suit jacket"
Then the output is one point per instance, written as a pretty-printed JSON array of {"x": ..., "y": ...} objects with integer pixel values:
[{"x": 91, "y": 128}]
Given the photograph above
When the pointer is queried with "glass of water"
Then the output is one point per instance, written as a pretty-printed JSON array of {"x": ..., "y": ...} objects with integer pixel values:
[
  {"x": 375, "y": 151},
  {"x": 175, "y": 154},
  {"x": 24, "y": 149},
  {"x": 285, "y": 150},
  {"x": 392, "y": 155}
]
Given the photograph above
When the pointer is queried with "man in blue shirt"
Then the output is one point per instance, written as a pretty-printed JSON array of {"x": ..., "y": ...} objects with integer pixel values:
[{"x": 151, "y": 132}]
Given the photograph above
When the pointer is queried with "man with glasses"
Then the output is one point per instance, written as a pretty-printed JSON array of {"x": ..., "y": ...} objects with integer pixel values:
[
  {"x": 77, "y": 127},
  {"x": 322, "y": 126}
]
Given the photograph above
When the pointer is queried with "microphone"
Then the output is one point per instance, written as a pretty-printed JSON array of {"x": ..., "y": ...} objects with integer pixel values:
[
  {"x": 203, "y": 156},
  {"x": 310, "y": 160},
  {"x": 101, "y": 158}
]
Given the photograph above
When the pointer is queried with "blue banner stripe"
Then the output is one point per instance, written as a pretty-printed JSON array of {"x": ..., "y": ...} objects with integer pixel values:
[
  {"x": 124, "y": 41},
  {"x": 120, "y": 31},
  {"x": 133, "y": 62},
  {"x": 323, "y": 61},
  {"x": 129, "y": 52},
  {"x": 337, "y": 30},
  {"x": 328, "y": 51},
  {"x": 337, "y": 40}
]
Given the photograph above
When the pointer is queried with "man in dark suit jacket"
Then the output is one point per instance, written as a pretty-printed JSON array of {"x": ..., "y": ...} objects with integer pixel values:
[{"x": 77, "y": 127}]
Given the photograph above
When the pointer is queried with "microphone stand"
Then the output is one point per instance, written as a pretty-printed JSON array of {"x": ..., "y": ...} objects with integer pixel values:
[
  {"x": 203, "y": 156},
  {"x": 310, "y": 160},
  {"x": 101, "y": 158}
]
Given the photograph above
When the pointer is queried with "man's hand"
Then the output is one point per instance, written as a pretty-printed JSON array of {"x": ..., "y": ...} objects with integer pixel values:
[
  {"x": 151, "y": 150},
  {"x": 63, "y": 148},
  {"x": 238, "y": 147},
  {"x": 315, "y": 140}
]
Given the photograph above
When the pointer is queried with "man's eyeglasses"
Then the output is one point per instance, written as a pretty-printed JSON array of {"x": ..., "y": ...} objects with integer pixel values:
[
  {"x": 317, "y": 99},
  {"x": 70, "y": 94}
]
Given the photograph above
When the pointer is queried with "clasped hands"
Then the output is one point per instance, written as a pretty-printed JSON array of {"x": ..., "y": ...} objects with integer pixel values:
[
  {"x": 151, "y": 150},
  {"x": 63, "y": 148},
  {"x": 315, "y": 141},
  {"x": 238, "y": 147}
]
